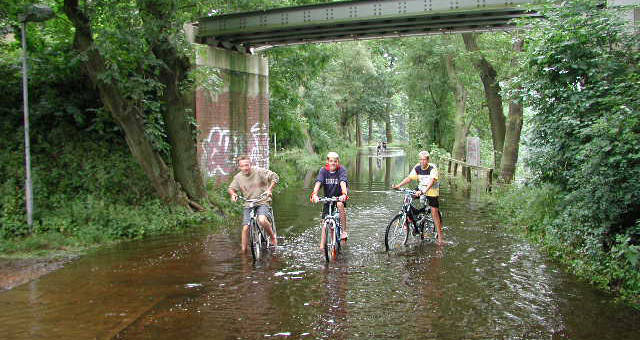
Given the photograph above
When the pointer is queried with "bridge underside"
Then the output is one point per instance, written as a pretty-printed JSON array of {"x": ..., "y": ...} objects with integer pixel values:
[{"x": 342, "y": 21}]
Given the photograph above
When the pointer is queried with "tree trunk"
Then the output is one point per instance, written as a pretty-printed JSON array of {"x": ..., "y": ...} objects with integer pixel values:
[
  {"x": 179, "y": 109},
  {"x": 488, "y": 76},
  {"x": 437, "y": 98},
  {"x": 348, "y": 126},
  {"x": 358, "y": 130},
  {"x": 388, "y": 130},
  {"x": 308, "y": 145},
  {"x": 124, "y": 112},
  {"x": 181, "y": 134},
  {"x": 460, "y": 93},
  {"x": 344, "y": 120},
  {"x": 514, "y": 130},
  {"x": 370, "y": 133}
]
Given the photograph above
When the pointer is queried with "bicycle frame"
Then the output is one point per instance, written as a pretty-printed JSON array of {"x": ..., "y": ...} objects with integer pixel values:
[
  {"x": 258, "y": 238},
  {"x": 331, "y": 228},
  {"x": 406, "y": 204},
  {"x": 407, "y": 221}
]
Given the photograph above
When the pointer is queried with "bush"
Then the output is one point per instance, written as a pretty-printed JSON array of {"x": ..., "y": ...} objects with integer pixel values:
[
  {"x": 581, "y": 77},
  {"x": 538, "y": 212},
  {"x": 87, "y": 191}
]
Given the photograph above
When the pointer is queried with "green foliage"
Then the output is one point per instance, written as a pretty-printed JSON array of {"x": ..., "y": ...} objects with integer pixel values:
[
  {"x": 530, "y": 207},
  {"x": 581, "y": 77},
  {"x": 87, "y": 191},
  {"x": 301, "y": 159},
  {"x": 291, "y": 71},
  {"x": 425, "y": 81}
]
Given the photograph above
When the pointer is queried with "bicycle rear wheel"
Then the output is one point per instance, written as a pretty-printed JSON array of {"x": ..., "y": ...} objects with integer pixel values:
[
  {"x": 330, "y": 246},
  {"x": 255, "y": 240},
  {"x": 397, "y": 233}
]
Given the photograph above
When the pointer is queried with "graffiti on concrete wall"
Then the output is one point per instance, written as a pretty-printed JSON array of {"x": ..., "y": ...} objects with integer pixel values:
[
  {"x": 222, "y": 146},
  {"x": 258, "y": 148}
]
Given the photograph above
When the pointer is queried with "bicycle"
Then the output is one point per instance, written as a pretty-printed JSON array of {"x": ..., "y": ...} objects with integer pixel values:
[
  {"x": 259, "y": 240},
  {"x": 331, "y": 229},
  {"x": 409, "y": 221}
]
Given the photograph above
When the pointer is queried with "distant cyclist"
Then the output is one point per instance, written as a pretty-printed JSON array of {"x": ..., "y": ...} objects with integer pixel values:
[
  {"x": 427, "y": 176},
  {"x": 333, "y": 179},
  {"x": 384, "y": 146},
  {"x": 253, "y": 182}
]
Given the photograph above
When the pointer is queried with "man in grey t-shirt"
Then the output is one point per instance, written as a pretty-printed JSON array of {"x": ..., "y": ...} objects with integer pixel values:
[{"x": 253, "y": 182}]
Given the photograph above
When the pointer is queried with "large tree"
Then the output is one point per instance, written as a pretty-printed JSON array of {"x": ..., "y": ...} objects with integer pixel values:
[
  {"x": 492, "y": 89},
  {"x": 135, "y": 54},
  {"x": 513, "y": 129},
  {"x": 460, "y": 94}
]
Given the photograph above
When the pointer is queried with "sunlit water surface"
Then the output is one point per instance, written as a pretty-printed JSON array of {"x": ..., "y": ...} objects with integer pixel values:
[{"x": 485, "y": 283}]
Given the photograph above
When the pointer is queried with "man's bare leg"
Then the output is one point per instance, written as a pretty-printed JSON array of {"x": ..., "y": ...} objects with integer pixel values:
[
  {"x": 435, "y": 213},
  {"x": 264, "y": 222},
  {"x": 343, "y": 220},
  {"x": 323, "y": 238},
  {"x": 245, "y": 238}
]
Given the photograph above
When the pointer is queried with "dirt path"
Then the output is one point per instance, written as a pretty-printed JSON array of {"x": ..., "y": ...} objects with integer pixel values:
[{"x": 14, "y": 272}]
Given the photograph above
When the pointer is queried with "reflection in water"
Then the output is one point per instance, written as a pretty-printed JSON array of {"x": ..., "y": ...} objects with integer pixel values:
[{"x": 487, "y": 284}]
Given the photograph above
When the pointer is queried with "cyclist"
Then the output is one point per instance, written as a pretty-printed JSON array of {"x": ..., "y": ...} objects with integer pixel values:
[
  {"x": 334, "y": 181},
  {"x": 379, "y": 149},
  {"x": 384, "y": 146},
  {"x": 252, "y": 182},
  {"x": 427, "y": 176}
]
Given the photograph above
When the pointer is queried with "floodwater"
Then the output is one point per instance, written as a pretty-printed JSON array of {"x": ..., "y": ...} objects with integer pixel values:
[{"x": 485, "y": 283}]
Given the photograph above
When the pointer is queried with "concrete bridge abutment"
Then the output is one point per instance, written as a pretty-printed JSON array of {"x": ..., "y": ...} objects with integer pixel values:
[{"x": 234, "y": 120}]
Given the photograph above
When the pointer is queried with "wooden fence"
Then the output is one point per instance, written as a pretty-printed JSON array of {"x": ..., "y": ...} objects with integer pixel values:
[{"x": 466, "y": 170}]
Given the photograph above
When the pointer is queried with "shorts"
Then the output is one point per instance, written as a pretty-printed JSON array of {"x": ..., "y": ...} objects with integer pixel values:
[
  {"x": 325, "y": 209},
  {"x": 433, "y": 201},
  {"x": 262, "y": 209}
]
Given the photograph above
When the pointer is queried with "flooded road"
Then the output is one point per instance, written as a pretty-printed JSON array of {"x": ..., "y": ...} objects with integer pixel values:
[{"x": 485, "y": 283}]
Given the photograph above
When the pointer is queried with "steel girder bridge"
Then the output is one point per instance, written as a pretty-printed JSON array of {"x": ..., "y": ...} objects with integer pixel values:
[{"x": 248, "y": 32}]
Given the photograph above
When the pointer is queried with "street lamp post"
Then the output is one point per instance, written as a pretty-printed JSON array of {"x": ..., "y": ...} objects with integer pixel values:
[{"x": 33, "y": 13}]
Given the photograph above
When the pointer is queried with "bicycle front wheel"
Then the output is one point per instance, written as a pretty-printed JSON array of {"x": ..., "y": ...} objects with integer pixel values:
[
  {"x": 255, "y": 240},
  {"x": 330, "y": 246},
  {"x": 397, "y": 233}
]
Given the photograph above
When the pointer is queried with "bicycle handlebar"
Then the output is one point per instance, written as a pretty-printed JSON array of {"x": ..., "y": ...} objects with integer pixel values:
[
  {"x": 259, "y": 198},
  {"x": 329, "y": 199},
  {"x": 407, "y": 191}
]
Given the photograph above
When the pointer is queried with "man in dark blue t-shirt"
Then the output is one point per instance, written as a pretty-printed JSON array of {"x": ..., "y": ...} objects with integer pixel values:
[{"x": 333, "y": 179}]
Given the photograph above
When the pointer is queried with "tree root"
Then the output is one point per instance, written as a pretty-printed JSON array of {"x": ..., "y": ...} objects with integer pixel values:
[{"x": 195, "y": 206}]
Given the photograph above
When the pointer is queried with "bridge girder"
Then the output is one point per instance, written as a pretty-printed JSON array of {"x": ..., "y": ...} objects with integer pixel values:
[{"x": 356, "y": 20}]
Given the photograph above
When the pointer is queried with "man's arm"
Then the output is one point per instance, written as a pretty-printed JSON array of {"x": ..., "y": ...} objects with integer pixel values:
[
  {"x": 234, "y": 195},
  {"x": 270, "y": 188},
  {"x": 314, "y": 193},
  {"x": 403, "y": 182},
  {"x": 273, "y": 179},
  {"x": 343, "y": 186},
  {"x": 430, "y": 182}
]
